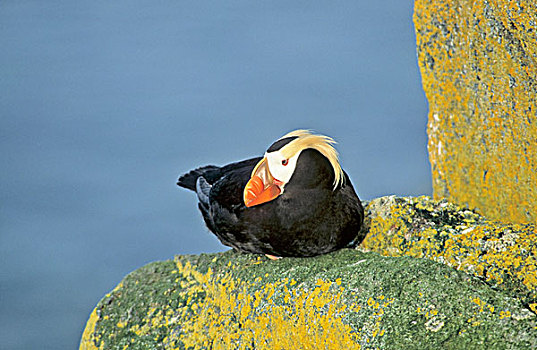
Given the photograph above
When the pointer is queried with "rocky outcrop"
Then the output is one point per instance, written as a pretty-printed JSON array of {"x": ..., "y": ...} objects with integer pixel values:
[
  {"x": 478, "y": 61},
  {"x": 349, "y": 299},
  {"x": 502, "y": 255}
]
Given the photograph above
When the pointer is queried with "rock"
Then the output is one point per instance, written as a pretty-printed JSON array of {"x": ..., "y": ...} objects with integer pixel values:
[
  {"x": 478, "y": 61},
  {"x": 348, "y": 299},
  {"x": 503, "y": 255}
]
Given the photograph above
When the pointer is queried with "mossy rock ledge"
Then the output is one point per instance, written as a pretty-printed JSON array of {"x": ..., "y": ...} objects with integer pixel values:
[{"x": 349, "y": 299}]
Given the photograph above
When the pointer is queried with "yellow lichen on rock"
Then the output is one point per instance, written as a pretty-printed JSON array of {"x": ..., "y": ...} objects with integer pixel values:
[
  {"x": 270, "y": 318},
  {"x": 348, "y": 299},
  {"x": 504, "y": 255},
  {"x": 89, "y": 337},
  {"x": 87, "y": 341},
  {"x": 478, "y": 61}
]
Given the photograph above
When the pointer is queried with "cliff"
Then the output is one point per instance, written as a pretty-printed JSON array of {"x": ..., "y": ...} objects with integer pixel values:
[{"x": 478, "y": 62}]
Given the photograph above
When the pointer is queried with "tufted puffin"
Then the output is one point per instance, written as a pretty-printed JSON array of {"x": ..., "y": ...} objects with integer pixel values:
[{"x": 296, "y": 200}]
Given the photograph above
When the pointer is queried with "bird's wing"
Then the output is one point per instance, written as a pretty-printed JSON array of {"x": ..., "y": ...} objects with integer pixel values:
[
  {"x": 228, "y": 190},
  {"x": 245, "y": 165},
  {"x": 213, "y": 173}
]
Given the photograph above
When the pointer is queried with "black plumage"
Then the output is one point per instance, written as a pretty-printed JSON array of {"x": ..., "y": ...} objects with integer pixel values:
[{"x": 309, "y": 218}]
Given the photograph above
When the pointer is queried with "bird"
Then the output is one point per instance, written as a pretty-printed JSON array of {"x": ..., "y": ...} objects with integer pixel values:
[{"x": 294, "y": 201}]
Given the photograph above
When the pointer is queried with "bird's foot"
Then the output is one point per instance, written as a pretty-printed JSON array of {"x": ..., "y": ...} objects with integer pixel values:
[{"x": 273, "y": 257}]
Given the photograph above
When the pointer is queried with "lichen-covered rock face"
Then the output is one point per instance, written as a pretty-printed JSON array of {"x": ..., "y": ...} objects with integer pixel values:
[
  {"x": 478, "y": 61},
  {"x": 344, "y": 300}
]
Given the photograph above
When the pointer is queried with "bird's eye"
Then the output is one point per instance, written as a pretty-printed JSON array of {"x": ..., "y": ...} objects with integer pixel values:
[{"x": 285, "y": 162}]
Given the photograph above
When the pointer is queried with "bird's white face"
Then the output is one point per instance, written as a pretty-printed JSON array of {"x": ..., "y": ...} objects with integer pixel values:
[
  {"x": 275, "y": 170},
  {"x": 269, "y": 178},
  {"x": 281, "y": 168}
]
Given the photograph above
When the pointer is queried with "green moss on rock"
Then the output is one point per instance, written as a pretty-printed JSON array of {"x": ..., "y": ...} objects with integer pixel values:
[
  {"x": 348, "y": 299},
  {"x": 478, "y": 62}
]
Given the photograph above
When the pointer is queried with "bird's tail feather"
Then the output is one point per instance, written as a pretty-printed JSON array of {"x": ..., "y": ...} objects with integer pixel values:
[{"x": 189, "y": 179}]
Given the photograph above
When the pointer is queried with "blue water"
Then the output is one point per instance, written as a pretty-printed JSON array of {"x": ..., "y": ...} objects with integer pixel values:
[{"x": 104, "y": 103}]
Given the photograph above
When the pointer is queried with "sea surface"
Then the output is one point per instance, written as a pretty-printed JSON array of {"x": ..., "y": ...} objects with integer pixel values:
[{"x": 104, "y": 103}]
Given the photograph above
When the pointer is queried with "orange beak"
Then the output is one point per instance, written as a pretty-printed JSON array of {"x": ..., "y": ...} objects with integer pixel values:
[{"x": 261, "y": 187}]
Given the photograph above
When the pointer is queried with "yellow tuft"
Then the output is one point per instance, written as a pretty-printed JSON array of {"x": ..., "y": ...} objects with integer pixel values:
[{"x": 321, "y": 143}]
